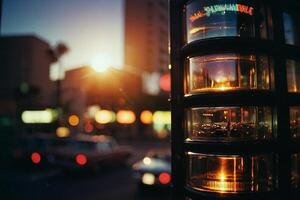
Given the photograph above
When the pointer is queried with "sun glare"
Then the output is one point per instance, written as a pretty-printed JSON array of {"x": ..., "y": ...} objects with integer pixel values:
[{"x": 101, "y": 62}]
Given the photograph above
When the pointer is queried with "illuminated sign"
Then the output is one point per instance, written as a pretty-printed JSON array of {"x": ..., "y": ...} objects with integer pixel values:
[{"x": 222, "y": 8}]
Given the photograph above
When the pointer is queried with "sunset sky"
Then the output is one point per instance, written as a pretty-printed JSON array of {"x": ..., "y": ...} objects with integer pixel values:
[{"x": 90, "y": 28}]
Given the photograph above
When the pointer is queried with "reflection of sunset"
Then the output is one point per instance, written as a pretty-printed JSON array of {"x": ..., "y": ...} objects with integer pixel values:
[
  {"x": 231, "y": 174},
  {"x": 228, "y": 72}
]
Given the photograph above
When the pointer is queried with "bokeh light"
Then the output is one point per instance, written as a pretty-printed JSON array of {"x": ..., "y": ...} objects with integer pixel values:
[
  {"x": 104, "y": 116},
  {"x": 126, "y": 117},
  {"x": 62, "y": 132},
  {"x": 146, "y": 117},
  {"x": 73, "y": 120},
  {"x": 36, "y": 158},
  {"x": 81, "y": 159}
]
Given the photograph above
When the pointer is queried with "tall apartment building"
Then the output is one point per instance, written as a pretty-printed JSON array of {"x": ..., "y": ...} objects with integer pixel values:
[{"x": 147, "y": 35}]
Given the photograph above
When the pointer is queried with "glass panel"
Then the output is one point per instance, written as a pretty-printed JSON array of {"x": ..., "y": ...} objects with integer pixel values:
[
  {"x": 296, "y": 171},
  {"x": 230, "y": 174},
  {"x": 229, "y": 123},
  {"x": 295, "y": 122},
  {"x": 293, "y": 75},
  {"x": 219, "y": 18},
  {"x": 291, "y": 30},
  {"x": 221, "y": 72}
]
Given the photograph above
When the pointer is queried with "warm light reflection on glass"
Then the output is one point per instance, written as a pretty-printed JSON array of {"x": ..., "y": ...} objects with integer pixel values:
[
  {"x": 229, "y": 123},
  {"x": 126, "y": 117},
  {"x": 295, "y": 122},
  {"x": 228, "y": 72},
  {"x": 293, "y": 75},
  {"x": 230, "y": 174}
]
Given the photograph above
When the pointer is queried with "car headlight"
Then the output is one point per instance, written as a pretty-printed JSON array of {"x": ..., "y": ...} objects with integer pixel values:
[{"x": 148, "y": 179}]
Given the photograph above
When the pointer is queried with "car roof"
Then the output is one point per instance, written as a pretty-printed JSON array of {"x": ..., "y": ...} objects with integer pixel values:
[{"x": 159, "y": 152}]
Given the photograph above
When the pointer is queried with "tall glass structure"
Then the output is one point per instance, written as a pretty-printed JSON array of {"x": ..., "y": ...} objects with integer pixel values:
[{"x": 235, "y": 99}]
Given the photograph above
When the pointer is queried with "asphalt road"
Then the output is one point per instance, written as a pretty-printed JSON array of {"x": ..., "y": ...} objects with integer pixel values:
[{"x": 21, "y": 183}]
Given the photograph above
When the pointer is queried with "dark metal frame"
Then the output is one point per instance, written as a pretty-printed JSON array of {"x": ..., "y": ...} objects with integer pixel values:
[{"x": 278, "y": 98}]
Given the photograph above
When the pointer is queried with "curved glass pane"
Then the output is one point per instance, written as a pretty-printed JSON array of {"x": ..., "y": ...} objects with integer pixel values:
[
  {"x": 291, "y": 29},
  {"x": 221, "y": 72},
  {"x": 229, "y": 123},
  {"x": 230, "y": 174},
  {"x": 221, "y": 18},
  {"x": 293, "y": 75},
  {"x": 295, "y": 122}
]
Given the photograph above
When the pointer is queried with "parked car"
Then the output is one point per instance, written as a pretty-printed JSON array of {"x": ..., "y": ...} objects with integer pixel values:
[
  {"x": 34, "y": 149},
  {"x": 89, "y": 152},
  {"x": 154, "y": 169}
]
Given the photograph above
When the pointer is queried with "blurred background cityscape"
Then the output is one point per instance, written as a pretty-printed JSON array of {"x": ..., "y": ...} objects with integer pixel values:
[{"x": 84, "y": 110}]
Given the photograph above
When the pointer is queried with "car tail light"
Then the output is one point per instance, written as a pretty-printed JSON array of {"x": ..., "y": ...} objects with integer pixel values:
[
  {"x": 81, "y": 159},
  {"x": 164, "y": 178},
  {"x": 36, "y": 158}
]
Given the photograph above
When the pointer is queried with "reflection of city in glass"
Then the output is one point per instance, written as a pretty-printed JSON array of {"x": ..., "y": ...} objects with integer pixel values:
[
  {"x": 295, "y": 122},
  {"x": 295, "y": 171},
  {"x": 229, "y": 123},
  {"x": 207, "y": 19},
  {"x": 293, "y": 75},
  {"x": 230, "y": 174},
  {"x": 291, "y": 32},
  {"x": 228, "y": 71}
]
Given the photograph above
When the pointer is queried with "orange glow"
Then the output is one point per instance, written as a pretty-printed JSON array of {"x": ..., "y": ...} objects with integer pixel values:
[
  {"x": 36, "y": 158},
  {"x": 146, "y": 117},
  {"x": 197, "y": 29},
  {"x": 165, "y": 82},
  {"x": 197, "y": 15},
  {"x": 164, "y": 178},
  {"x": 62, "y": 132},
  {"x": 73, "y": 120},
  {"x": 125, "y": 117},
  {"x": 104, "y": 116},
  {"x": 81, "y": 159}
]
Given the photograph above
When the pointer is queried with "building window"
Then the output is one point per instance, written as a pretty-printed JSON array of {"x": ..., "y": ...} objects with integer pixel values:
[
  {"x": 295, "y": 122},
  {"x": 230, "y": 174},
  {"x": 205, "y": 19},
  {"x": 222, "y": 72},
  {"x": 227, "y": 124},
  {"x": 293, "y": 75},
  {"x": 291, "y": 30}
]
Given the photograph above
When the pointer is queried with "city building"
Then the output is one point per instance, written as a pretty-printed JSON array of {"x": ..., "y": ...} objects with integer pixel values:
[
  {"x": 24, "y": 75},
  {"x": 147, "y": 35}
]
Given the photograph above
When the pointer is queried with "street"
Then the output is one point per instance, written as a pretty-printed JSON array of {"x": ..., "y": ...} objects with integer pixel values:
[{"x": 107, "y": 184}]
